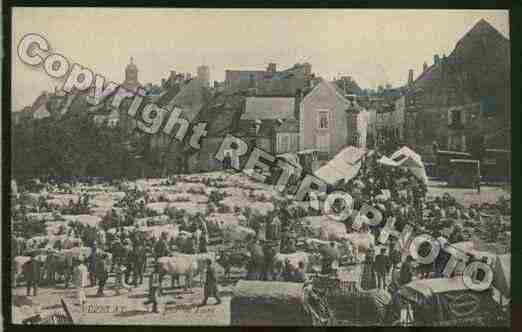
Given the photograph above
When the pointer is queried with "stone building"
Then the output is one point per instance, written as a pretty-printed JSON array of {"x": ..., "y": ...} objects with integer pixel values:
[
  {"x": 386, "y": 120},
  {"x": 463, "y": 96},
  {"x": 270, "y": 124}
]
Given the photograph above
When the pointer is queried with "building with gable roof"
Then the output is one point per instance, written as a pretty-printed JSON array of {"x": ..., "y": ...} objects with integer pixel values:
[
  {"x": 463, "y": 96},
  {"x": 328, "y": 121}
]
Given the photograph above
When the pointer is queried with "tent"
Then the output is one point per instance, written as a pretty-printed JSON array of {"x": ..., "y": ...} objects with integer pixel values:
[
  {"x": 344, "y": 166},
  {"x": 409, "y": 159}
]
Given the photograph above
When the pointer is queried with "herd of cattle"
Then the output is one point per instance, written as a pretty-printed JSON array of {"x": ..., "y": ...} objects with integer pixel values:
[{"x": 62, "y": 241}]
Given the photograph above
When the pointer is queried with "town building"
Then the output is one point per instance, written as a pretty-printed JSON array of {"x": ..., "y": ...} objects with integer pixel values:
[
  {"x": 204, "y": 76},
  {"x": 463, "y": 96},
  {"x": 325, "y": 118},
  {"x": 270, "y": 124},
  {"x": 386, "y": 120},
  {"x": 222, "y": 114},
  {"x": 358, "y": 119},
  {"x": 270, "y": 82},
  {"x": 348, "y": 85},
  {"x": 190, "y": 97}
]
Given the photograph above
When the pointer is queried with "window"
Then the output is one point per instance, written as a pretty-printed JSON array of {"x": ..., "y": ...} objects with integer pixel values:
[
  {"x": 323, "y": 121},
  {"x": 455, "y": 117},
  {"x": 355, "y": 140}
]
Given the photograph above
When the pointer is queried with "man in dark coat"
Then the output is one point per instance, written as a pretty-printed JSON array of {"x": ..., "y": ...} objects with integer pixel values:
[
  {"x": 211, "y": 287},
  {"x": 139, "y": 257},
  {"x": 32, "y": 271},
  {"x": 406, "y": 273},
  {"x": 269, "y": 253},
  {"x": 382, "y": 266},
  {"x": 101, "y": 273},
  {"x": 118, "y": 253},
  {"x": 128, "y": 260},
  {"x": 92, "y": 264},
  {"x": 189, "y": 246},
  {"x": 154, "y": 289},
  {"x": 255, "y": 269},
  {"x": 161, "y": 248}
]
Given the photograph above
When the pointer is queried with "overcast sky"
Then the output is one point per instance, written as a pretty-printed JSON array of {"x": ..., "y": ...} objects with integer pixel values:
[{"x": 373, "y": 46}]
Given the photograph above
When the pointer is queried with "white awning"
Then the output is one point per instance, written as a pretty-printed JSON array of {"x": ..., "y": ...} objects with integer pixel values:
[{"x": 344, "y": 166}]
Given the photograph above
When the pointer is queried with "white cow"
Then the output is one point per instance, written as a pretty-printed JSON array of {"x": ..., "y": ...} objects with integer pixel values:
[
  {"x": 17, "y": 269},
  {"x": 238, "y": 233},
  {"x": 294, "y": 259},
  {"x": 172, "y": 231},
  {"x": 179, "y": 265},
  {"x": 362, "y": 242}
]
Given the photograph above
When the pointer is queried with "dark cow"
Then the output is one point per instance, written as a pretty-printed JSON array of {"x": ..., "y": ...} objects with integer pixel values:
[{"x": 232, "y": 259}]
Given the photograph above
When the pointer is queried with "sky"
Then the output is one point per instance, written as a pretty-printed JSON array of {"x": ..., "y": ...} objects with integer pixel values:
[{"x": 375, "y": 47}]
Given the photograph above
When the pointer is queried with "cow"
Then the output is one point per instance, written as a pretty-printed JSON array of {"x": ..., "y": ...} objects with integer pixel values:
[
  {"x": 17, "y": 269},
  {"x": 317, "y": 246},
  {"x": 177, "y": 265},
  {"x": 18, "y": 266},
  {"x": 236, "y": 259},
  {"x": 157, "y": 231},
  {"x": 71, "y": 242},
  {"x": 238, "y": 233},
  {"x": 361, "y": 244},
  {"x": 294, "y": 258},
  {"x": 57, "y": 266}
]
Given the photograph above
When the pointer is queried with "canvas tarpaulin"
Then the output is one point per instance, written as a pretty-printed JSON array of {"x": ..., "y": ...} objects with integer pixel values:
[
  {"x": 466, "y": 306},
  {"x": 407, "y": 158},
  {"x": 344, "y": 166},
  {"x": 502, "y": 275}
]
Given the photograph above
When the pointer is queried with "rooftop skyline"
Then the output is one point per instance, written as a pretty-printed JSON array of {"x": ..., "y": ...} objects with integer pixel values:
[{"x": 375, "y": 47}]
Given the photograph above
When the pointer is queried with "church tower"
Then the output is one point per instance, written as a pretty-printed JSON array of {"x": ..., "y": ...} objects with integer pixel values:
[{"x": 131, "y": 76}]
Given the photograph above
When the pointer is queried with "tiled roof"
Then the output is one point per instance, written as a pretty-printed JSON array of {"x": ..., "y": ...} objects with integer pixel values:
[{"x": 265, "y": 108}]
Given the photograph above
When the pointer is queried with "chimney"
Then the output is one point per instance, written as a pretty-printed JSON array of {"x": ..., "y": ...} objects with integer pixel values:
[
  {"x": 272, "y": 67},
  {"x": 410, "y": 77},
  {"x": 297, "y": 102},
  {"x": 424, "y": 67},
  {"x": 436, "y": 59}
]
